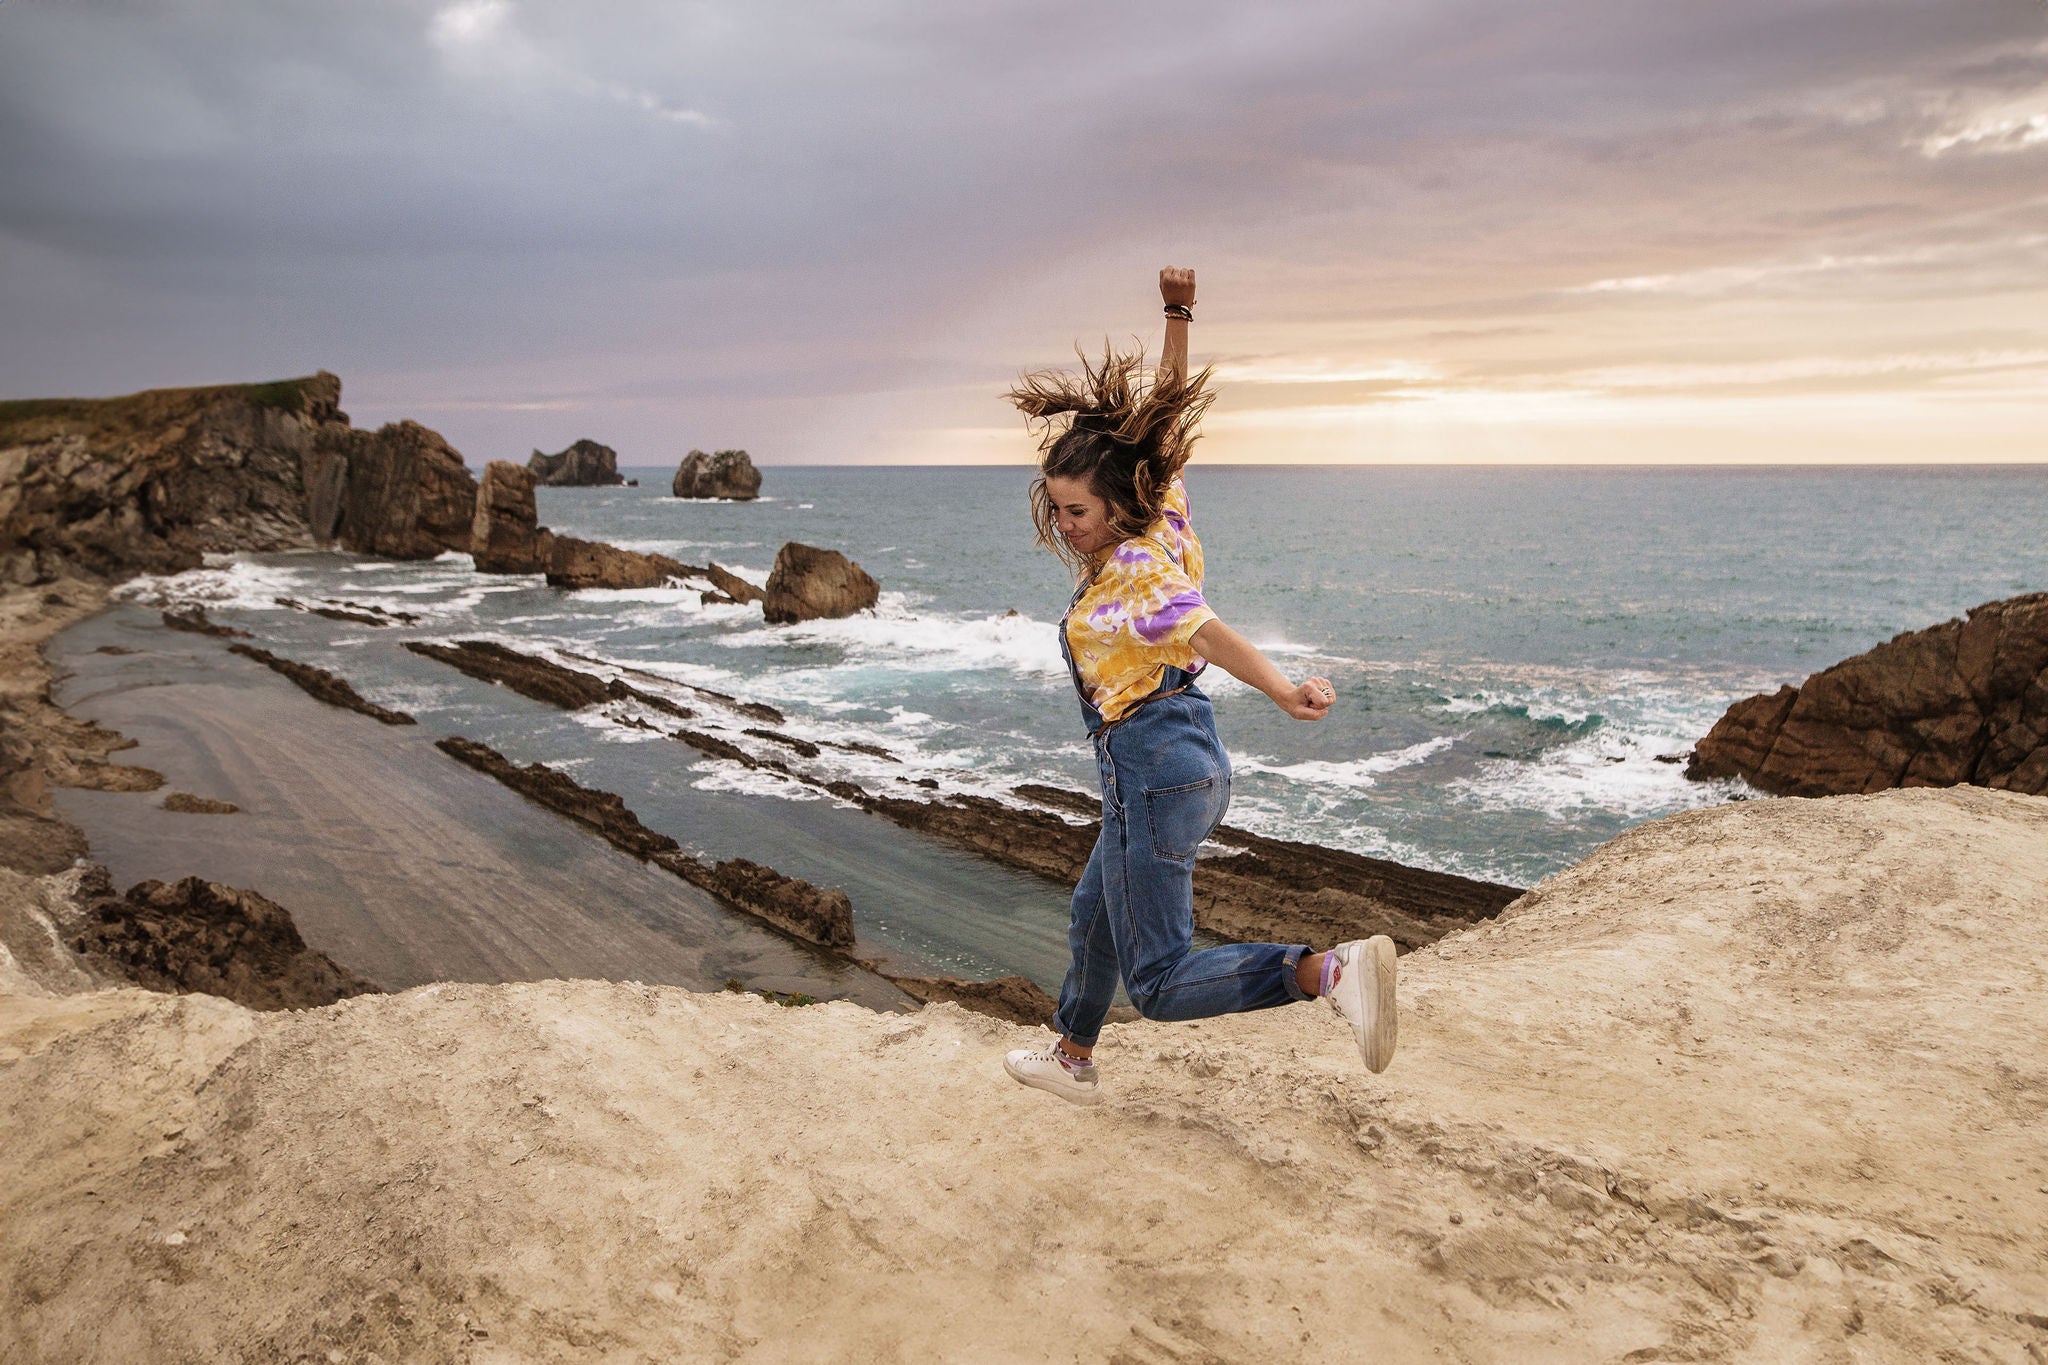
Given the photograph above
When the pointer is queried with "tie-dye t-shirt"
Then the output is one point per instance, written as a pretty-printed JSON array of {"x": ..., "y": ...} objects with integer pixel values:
[{"x": 1140, "y": 612}]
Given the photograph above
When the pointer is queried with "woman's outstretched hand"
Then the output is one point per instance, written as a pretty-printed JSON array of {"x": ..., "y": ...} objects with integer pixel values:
[
  {"x": 1310, "y": 700},
  {"x": 1177, "y": 286}
]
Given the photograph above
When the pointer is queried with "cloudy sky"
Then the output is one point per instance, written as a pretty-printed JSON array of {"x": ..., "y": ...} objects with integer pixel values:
[{"x": 1466, "y": 230}]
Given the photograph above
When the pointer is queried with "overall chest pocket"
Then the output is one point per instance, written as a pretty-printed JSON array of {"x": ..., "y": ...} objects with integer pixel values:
[{"x": 1181, "y": 817}]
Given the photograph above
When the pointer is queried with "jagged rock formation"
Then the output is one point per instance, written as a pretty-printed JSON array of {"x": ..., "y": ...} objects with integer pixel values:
[
  {"x": 808, "y": 583},
  {"x": 321, "y": 685},
  {"x": 727, "y": 474},
  {"x": 199, "y": 936},
  {"x": 586, "y": 464},
  {"x": 574, "y": 563},
  {"x": 1962, "y": 702},
  {"x": 505, "y": 535}
]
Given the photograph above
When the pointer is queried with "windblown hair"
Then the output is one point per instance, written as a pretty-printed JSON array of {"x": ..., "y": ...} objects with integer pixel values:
[{"x": 1126, "y": 428}]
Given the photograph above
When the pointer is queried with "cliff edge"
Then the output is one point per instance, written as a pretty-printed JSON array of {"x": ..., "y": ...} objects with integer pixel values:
[{"x": 1761, "y": 1081}]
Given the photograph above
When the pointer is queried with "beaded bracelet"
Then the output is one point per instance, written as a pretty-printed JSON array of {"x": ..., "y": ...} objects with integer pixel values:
[{"x": 1181, "y": 311}]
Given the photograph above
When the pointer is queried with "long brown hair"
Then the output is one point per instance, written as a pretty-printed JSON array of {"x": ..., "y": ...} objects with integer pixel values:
[{"x": 1129, "y": 431}]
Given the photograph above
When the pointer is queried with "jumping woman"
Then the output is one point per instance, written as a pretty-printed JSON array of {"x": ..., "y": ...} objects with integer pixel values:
[{"x": 1109, "y": 501}]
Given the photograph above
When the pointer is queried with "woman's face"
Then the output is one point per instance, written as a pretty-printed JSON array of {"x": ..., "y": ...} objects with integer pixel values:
[{"x": 1081, "y": 516}]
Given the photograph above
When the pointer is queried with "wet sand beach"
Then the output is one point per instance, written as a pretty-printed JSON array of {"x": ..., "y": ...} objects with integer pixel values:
[{"x": 392, "y": 859}]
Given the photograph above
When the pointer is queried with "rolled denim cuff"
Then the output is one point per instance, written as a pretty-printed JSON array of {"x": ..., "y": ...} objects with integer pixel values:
[
  {"x": 1075, "y": 1038},
  {"x": 1294, "y": 991}
]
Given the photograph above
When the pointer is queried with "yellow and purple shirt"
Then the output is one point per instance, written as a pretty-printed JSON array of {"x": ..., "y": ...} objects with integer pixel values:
[{"x": 1138, "y": 616}]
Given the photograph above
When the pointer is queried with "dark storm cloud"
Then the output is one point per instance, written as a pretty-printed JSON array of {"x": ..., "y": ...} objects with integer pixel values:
[{"x": 751, "y": 212}]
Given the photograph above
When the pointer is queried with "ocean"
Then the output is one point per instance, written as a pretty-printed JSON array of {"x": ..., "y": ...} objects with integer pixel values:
[{"x": 1519, "y": 654}]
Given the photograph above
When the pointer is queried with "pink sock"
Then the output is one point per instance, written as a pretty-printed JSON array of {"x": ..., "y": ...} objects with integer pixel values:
[
  {"x": 1332, "y": 970},
  {"x": 1070, "y": 1062}
]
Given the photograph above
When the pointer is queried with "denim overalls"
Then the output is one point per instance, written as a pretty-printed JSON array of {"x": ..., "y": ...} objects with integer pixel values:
[{"x": 1165, "y": 786}]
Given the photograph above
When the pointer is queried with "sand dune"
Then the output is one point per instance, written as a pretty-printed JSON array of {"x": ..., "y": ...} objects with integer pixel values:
[{"x": 1762, "y": 1082}]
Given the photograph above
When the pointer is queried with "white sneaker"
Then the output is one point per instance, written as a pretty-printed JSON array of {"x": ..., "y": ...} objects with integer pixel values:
[
  {"x": 1364, "y": 996},
  {"x": 1041, "y": 1070}
]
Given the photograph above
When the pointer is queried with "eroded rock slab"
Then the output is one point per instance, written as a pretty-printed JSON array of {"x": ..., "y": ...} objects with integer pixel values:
[
  {"x": 574, "y": 563},
  {"x": 823, "y": 917},
  {"x": 322, "y": 685}
]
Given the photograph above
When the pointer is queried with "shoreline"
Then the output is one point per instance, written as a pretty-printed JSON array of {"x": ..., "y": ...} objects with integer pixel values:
[{"x": 401, "y": 864}]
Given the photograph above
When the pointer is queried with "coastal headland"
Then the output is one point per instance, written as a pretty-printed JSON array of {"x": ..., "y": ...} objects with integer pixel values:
[{"x": 1762, "y": 1081}]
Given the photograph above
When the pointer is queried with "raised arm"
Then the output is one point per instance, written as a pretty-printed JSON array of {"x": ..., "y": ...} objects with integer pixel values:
[
  {"x": 1242, "y": 660},
  {"x": 1176, "y": 290}
]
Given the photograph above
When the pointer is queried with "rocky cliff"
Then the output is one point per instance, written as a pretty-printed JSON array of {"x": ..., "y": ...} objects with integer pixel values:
[
  {"x": 1962, "y": 702},
  {"x": 104, "y": 488}
]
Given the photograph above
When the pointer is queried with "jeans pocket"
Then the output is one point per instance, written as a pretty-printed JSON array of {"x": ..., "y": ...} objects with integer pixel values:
[{"x": 1181, "y": 817}]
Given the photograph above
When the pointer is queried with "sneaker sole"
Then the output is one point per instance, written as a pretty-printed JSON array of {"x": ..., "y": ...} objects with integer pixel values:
[
  {"x": 1072, "y": 1095},
  {"x": 1376, "y": 1043}
]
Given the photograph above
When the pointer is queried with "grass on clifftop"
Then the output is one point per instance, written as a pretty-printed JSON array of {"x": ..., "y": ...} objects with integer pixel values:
[{"x": 29, "y": 419}]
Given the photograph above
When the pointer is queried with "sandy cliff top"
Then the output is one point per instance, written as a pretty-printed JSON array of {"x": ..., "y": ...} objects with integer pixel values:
[{"x": 1766, "y": 1081}]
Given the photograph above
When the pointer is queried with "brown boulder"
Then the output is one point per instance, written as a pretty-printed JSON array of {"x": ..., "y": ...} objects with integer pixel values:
[
  {"x": 407, "y": 494},
  {"x": 505, "y": 535},
  {"x": 197, "y": 935},
  {"x": 727, "y": 474},
  {"x": 586, "y": 464},
  {"x": 574, "y": 563},
  {"x": 1962, "y": 702},
  {"x": 808, "y": 583}
]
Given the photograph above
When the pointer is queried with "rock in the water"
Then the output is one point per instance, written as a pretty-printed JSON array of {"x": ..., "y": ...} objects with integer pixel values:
[
  {"x": 197, "y": 935},
  {"x": 586, "y": 464},
  {"x": 505, "y": 536},
  {"x": 407, "y": 494},
  {"x": 1962, "y": 702},
  {"x": 808, "y": 583},
  {"x": 727, "y": 474},
  {"x": 527, "y": 674},
  {"x": 574, "y": 563}
]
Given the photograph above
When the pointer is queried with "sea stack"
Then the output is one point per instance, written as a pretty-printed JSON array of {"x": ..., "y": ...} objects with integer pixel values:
[
  {"x": 809, "y": 583},
  {"x": 727, "y": 474},
  {"x": 505, "y": 536},
  {"x": 585, "y": 464}
]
